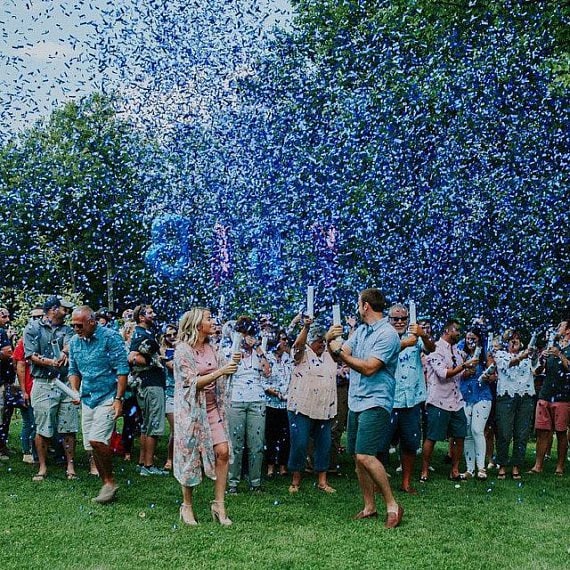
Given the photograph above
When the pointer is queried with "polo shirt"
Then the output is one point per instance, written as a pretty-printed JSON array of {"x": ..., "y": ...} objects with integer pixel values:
[{"x": 381, "y": 341}]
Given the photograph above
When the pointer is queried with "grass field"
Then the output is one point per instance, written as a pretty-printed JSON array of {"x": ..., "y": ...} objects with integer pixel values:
[{"x": 498, "y": 524}]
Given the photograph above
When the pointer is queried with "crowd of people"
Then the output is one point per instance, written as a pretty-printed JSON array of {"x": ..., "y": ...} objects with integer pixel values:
[{"x": 249, "y": 400}]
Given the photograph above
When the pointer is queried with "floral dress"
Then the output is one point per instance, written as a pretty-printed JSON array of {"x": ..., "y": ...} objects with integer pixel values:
[{"x": 193, "y": 443}]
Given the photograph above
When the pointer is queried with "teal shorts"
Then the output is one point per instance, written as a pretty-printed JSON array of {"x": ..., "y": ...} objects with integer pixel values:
[
  {"x": 368, "y": 431},
  {"x": 445, "y": 423}
]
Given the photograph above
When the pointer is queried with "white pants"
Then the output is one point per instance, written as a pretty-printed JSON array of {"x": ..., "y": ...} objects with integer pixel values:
[{"x": 474, "y": 447}]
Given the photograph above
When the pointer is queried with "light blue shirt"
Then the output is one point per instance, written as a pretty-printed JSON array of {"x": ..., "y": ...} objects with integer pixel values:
[
  {"x": 98, "y": 360},
  {"x": 381, "y": 341},
  {"x": 410, "y": 379}
]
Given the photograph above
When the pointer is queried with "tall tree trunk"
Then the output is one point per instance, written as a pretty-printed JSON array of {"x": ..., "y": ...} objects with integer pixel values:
[
  {"x": 71, "y": 271},
  {"x": 110, "y": 283}
]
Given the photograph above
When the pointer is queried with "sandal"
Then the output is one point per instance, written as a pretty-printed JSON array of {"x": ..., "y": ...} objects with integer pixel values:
[
  {"x": 71, "y": 476},
  {"x": 293, "y": 489},
  {"x": 424, "y": 479},
  {"x": 533, "y": 471},
  {"x": 459, "y": 477},
  {"x": 516, "y": 476},
  {"x": 482, "y": 475},
  {"x": 326, "y": 489},
  {"x": 39, "y": 477},
  {"x": 559, "y": 473},
  {"x": 501, "y": 475}
]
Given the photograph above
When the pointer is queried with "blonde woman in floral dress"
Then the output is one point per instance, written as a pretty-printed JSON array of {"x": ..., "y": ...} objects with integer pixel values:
[{"x": 201, "y": 439}]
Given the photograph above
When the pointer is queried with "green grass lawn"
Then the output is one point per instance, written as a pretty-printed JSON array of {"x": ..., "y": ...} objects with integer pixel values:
[{"x": 498, "y": 524}]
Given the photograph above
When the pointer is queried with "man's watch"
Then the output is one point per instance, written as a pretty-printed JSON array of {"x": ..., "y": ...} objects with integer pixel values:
[{"x": 119, "y": 398}]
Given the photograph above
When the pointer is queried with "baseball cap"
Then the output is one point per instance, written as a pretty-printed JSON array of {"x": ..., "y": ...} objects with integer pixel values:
[{"x": 56, "y": 301}]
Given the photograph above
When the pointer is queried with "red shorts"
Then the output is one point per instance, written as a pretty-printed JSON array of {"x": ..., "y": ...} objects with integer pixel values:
[{"x": 552, "y": 415}]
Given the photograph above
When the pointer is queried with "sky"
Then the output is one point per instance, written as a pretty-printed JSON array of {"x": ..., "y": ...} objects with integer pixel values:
[{"x": 50, "y": 53}]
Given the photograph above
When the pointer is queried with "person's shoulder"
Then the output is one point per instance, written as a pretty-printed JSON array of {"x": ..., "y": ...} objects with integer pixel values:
[
  {"x": 139, "y": 334},
  {"x": 65, "y": 330},
  {"x": 387, "y": 331},
  {"x": 74, "y": 340},
  {"x": 4, "y": 339},
  {"x": 33, "y": 327}
]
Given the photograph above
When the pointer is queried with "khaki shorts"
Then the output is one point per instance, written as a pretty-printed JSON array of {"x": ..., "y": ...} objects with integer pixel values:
[
  {"x": 97, "y": 423},
  {"x": 53, "y": 410},
  {"x": 152, "y": 405}
]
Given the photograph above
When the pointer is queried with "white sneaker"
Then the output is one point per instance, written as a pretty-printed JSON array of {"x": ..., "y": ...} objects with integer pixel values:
[
  {"x": 106, "y": 494},
  {"x": 27, "y": 458}
]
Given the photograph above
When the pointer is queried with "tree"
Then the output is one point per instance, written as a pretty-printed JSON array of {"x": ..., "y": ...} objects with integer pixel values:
[{"x": 73, "y": 196}]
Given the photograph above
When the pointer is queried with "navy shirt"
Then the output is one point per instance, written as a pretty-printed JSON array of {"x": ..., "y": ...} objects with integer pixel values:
[{"x": 153, "y": 374}]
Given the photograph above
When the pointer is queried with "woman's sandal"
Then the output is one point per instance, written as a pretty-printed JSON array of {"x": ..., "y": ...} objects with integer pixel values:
[
  {"x": 39, "y": 477},
  {"x": 293, "y": 489},
  {"x": 326, "y": 489},
  {"x": 501, "y": 475},
  {"x": 187, "y": 516},
  {"x": 219, "y": 513}
]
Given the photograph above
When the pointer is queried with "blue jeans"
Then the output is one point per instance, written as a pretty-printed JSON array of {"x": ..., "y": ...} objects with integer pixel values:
[
  {"x": 28, "y": 431},
  {"x": 302, "y": 427},
  {"x": 247, "y": 423}
]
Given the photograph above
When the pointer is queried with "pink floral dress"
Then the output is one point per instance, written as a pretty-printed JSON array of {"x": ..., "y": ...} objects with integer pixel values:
[{"x": 193, "y": 441}]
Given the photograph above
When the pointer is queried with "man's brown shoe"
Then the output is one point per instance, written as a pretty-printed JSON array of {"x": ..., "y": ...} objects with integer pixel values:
[{"x": 394, "y": 519}]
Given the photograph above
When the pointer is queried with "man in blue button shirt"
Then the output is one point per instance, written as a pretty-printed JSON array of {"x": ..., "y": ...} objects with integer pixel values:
[
  {"x": 410, "y": 389},
  {"x": 372, "y": 356},
  {"x": 98, "y": 364}
]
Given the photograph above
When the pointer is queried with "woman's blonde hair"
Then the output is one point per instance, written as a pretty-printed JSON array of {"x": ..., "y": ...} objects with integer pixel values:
[{"x": 188, "y": 327}]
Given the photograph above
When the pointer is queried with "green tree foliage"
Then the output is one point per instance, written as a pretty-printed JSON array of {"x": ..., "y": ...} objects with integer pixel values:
[{"x": 72, "y": 198}]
